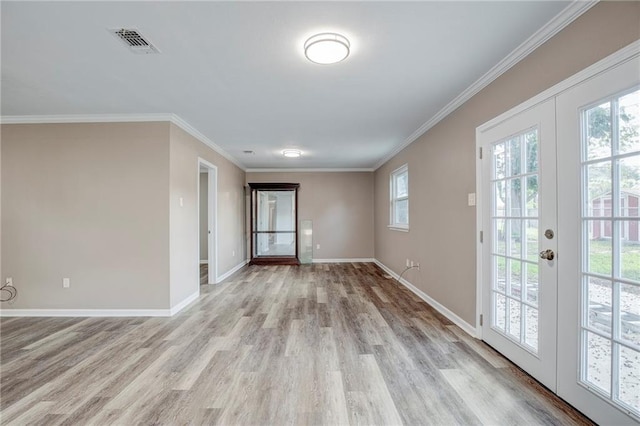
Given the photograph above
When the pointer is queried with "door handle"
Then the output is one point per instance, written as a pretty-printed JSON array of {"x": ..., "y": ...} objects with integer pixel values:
[{"x": 547, "y": 254}]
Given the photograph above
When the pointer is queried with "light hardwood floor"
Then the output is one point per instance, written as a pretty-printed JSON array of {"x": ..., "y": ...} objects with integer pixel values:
[
  {"x": 320, "y": 344},
  {"x": 204, "y": 273}
]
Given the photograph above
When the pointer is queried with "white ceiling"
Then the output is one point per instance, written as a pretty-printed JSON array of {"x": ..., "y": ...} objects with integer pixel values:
[{"x": 236, "y": 71}]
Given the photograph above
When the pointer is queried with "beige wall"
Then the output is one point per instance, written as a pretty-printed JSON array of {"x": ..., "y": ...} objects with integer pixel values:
[
  {"x": 185, "y": 150},
  {"x": 204, "y": 226},
  {"x": 340, "y": 204},
  {"x": 100, "y": 204},
  {"x": 2, "y": 276},
  {"x": 442, "y": 162},
  {"x": 88, "y": 202}
]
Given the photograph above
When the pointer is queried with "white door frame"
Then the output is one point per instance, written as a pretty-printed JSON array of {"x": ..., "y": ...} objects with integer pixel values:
[{"x": 212, "y": 218}]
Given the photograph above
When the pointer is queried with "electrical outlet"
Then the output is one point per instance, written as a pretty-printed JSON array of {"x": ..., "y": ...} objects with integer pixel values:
[
  {"x": 471, "y": 199},
  {"x": 317, "y": 246},
  {"x": 9, "y": 281},
  {"x": 412, "y": 263},
  {"x": 233, "y": 253},
  {"x": 418, "y": 265},
  {"x": 408, "y": 263},
  {"x": 66, "y": 282}
]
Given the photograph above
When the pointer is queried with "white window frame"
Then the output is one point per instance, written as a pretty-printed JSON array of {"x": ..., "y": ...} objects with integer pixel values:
[{"x": 393, "y": 199}]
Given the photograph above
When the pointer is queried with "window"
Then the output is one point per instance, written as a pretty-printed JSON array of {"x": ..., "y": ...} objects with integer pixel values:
[{"x": 399, "y": 189}]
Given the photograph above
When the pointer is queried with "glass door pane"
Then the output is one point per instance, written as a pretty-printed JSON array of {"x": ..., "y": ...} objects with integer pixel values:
[
  {"x": 610, "y": 312},
  {"x": 515, "y": 278},
  {"x": 518, "y": 176}
]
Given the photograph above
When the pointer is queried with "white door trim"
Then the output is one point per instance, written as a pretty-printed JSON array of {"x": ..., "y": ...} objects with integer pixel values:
[{"x": 212, "y": 218}]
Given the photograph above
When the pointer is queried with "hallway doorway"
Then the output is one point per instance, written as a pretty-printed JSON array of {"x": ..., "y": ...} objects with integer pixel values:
[{"x": 207, "y": 240}]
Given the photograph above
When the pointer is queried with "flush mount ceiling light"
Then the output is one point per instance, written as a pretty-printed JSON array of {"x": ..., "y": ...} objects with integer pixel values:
[
  {"x": 292, "y": 153},
  {"x": 326, "y": 48}
]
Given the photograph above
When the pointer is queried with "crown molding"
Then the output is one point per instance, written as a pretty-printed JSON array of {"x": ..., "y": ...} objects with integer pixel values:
[
  {"x": 551, "y": 28},
  {"x": 317, "y": 170},
  {"x": 627, "y": 53},
  {"x": 205, "y": 140},
  {"x": 120, "y": 118},
  {"x": 84, "y": 118},
  {"x": 555, "y": 25},
  {"x": 172, "y": 118}
]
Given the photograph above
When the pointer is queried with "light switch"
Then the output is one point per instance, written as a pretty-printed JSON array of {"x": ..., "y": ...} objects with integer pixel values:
[{"x": 471, "y": 199}]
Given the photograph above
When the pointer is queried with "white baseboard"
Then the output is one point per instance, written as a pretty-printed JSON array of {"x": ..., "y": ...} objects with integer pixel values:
[
  {"x": 85, "y": 312},
  {"x": 99, "y": 312},
  {"x": 232, "y": 271},
  {"x": 468, "y": 328},
  {"x": 353, "y": 260},
  {"x": 188, "y": 300}
]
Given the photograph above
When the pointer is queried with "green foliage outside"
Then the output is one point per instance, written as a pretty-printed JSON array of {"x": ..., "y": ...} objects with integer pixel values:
[
  {"x": 508, "y": 157},
  {"x": 600, "y": 262},
  {"x": 599, "y": 140},
  {"x": 600, "y": 259}
]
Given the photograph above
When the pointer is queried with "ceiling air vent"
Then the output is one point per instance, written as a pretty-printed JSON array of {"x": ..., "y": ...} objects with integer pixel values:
[{"x": 134, "y": 40}]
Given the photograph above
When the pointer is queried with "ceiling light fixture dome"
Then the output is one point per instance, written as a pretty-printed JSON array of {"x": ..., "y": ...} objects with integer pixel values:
[
  {"x": 292, "y": 153},
  {"x": 327, "y": 48}
]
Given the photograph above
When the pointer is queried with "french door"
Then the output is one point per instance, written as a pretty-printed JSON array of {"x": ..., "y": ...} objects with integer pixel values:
[
  {"x": 599, "y": 188},
  {"x": 560, "y": 185},
  {"x": 519, "y": 300}
]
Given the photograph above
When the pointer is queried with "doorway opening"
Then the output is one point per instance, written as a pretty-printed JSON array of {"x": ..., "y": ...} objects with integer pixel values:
[{"x": 207, "y": 233}]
